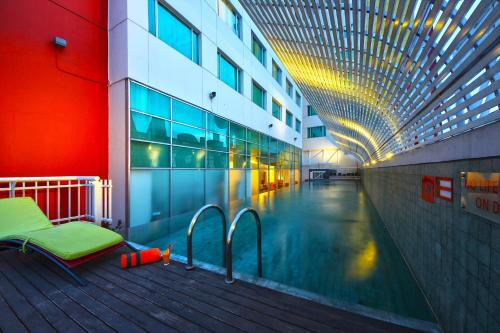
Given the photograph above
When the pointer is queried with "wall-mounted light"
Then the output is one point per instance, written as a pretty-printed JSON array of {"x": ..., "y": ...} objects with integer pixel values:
[
  {"x": 270, "y": 125},
  {"x": 212, "y": 95},
  {"x": 294, "y": 139},
  {"x": 60, "y": 42}
]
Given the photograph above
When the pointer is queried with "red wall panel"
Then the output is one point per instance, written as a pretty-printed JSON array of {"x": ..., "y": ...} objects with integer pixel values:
[{"x": 54, "y": 101}]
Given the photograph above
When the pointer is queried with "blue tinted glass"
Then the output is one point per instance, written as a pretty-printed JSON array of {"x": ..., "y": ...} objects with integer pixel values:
[
  {"x": 238, "y": 131},
  {"x": 252, "y": 136},
  {"x": 217, "y": 142},
  {"x": 196, "y": 53},
  {"x": 217, "y": 159},
  {"x": 258, "y": 95},
  {"x": 217, "y": 124},
  {"x": 149, "y": 128},
  {"x": 237, "y": 146},
  {"x": 188, "y": 157},
  {"x": 149, "y": 155},
  {"x": 138, "y": 97},
  {"x": 187, "y": 114},
  {"x": 188, "y": 136},
  {"x": 297, "y": 125},
  {"x": 289, "y": 119},
  {"x": 152, "y": 16},
  {"x": 174, "y": 32},
  {"x": 276, "y": 110},
  {"x": 228, "y": 73},
  {"x": 253, "y": 149},
  {"x": 237, "y": 161},
  {"x": 158, "y": 104}
]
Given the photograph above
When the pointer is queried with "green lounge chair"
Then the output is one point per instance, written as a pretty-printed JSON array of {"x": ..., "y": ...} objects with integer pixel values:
[{"x": 24, "y": 226}]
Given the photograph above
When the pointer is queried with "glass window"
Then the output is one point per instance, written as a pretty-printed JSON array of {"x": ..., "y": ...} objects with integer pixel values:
[
  {"x": 253, "y": 149},
  {"x": 188, "y": 136},
  {"x": 149, "y": 101},
  {"x": 277, "y": 73},
  {"x": 237, "y": 146},
  {"x": 238, "y": 131},
  {"x": 253, "y": 136},
  {"x": 188, "y": 193},
  {"x": 258, "y": 50},
  {"x": 230, "y": 16},
  {"x": 228, "y": 73},
  {"x": 298, "y": 125},
  {"x": 237, "y": 161},
  {"x": 310, "y": 111},
  {"x": 144, "y": 127},
  {"x": 217, "y": 142},
  {"x": 289, "y": 88},
  {"x": 258, "y": 95},
  {"x": 276, "y": 109},
  {"x": 217, "y": 159},
  {"x": 289, "y": 119},
  {"x": 177, "y": 34},
  {"x": 149, "y": 155},
  {"x": 298, "y": 99},
  {"x": 187, "y": 157},
  {"x": 149, "y": 196},
  {"x": 217, "y": 124},
  {"x": 152, "y": 16},
  {"x": 316, "y": 132},
  {"x": 187, "y": 114}
]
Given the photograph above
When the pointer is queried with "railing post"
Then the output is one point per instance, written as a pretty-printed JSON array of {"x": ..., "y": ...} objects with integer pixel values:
[
  {"x": 97, "y": 201},
  {"x": 12, "y": 187}
]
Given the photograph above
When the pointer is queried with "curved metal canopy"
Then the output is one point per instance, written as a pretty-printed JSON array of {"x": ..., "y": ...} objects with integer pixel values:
[{"x": 389, "y": 76}]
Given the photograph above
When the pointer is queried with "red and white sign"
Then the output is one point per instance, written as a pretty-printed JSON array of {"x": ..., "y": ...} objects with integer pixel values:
[
  {"x": 427, "y": 193},
  {"x": 444, "y": 188}
]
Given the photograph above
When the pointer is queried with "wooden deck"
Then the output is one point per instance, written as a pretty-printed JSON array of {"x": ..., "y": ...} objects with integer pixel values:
[{"x": 36, "y": 296}]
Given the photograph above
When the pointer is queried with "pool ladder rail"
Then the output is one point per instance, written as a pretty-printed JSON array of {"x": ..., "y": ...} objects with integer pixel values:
[{"x": 227, "y": 242}]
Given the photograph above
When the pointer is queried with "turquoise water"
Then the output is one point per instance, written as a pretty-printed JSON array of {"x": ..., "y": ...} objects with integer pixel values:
[{"x": 325, "y": 238}]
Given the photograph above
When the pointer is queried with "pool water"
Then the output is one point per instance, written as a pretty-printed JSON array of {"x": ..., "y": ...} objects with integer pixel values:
[{"x": 324, "y": 238}]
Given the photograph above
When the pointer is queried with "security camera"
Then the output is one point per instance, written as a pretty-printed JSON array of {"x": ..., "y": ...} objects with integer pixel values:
[{"x": 212, "y": 95}]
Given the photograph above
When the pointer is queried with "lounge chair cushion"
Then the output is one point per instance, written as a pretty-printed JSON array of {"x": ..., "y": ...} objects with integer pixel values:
[
  {"x": 72, "y": 240},
  {"x": 20, "y": 215}
]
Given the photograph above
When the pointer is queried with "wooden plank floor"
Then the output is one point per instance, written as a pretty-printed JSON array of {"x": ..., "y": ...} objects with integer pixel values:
[{"x": 36, "y": 296}]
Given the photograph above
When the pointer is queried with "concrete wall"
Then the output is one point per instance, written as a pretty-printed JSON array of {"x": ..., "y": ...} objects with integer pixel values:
[{"x": 454, "y": 255}]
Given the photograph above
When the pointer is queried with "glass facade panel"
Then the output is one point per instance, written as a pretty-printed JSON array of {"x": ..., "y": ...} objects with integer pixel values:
[
  {"x": 188, "y": 157},
  {"x": 253, "y": 149},
  {"x": 152, "y": 16},
  {"x": 253, "y": 136},
  {"x": 216, "y": 160},
  {"x": 258, "y": 50},
  {"x": 188, "y": 194},
  {"x": 276, "y": 109},
  {"x": 217, "y": 142},
  {"x": 144, "y": 127},
  {"x": 149, "y": 155},
  {"x": 149, "y": 101},
  {"x": 289, "y": 119},
  {"x": 188, "y": 136},
  {"x": 236, "y": 185},
  {"x": 237, "y": 161},
  {"x": 187, "y": 114},
  {"x": 176, "y": 33},
  {"x": 217, "y": 187},
  {"x": 229, "y": 73},
  {"x": 149, "y": 196},
  {"x": 258, "y": 95},
  {"x": 217, "y": 124},
  {"x": 237, "y": 146},
  {"x": 238, "y": 131}
]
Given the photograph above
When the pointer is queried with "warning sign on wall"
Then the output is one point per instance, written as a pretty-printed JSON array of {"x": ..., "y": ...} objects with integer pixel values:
[
  {"x": 427, "y": 193},
  {"x": 481, "y": 194}
]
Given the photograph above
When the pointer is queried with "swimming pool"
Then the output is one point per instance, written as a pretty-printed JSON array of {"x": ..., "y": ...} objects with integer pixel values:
[{"x": 324, "y": 238}]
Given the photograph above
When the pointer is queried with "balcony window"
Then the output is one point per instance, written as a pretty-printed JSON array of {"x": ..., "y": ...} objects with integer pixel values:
[
  {"x": 258, "y": 95},
  {"x": 316, "y": 132},
  {"x": 276, "y": 109},
  {"x": 258, "y": 50},
  {"x": 177, "y": 34},
  {"x": 277, "y": 73},
  {"x": 229, "y": 73},
  {"x": 289, "y": 119},
  {"x": 230, "y": 16}
]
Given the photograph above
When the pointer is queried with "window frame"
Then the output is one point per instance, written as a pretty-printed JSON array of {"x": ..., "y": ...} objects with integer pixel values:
[
  {"x": 276, "y": 102},
  {"x": 279, "y": 72},
  {"x": 289, "y": 115},
  {"x": 239, "y": 71},
  {"x": 298, "y": 98},
  {"x": 264, "y": 95},
  {"x": 264, "y": 51},
  {"x": 289, "y": 84},
  {"x": 235, "y": 13},
  {"x": 298, "y": 125}
]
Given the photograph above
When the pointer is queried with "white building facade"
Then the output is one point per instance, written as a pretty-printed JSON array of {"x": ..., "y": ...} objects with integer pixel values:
[{"x": 200, "y": 109}]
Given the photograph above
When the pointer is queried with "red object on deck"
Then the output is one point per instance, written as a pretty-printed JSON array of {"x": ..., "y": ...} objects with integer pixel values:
[
  {"x": 140, "y": 258},
  {"x": 54, "y": 105}
]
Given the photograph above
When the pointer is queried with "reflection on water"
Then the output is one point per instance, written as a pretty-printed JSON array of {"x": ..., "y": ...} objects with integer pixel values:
[{"x": 322, "y": 237}]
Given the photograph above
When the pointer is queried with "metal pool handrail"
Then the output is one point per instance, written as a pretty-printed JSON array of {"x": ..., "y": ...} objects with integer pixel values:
[
  {"x": 194, "y": 220},
  {"x": 229, "y": 242}
]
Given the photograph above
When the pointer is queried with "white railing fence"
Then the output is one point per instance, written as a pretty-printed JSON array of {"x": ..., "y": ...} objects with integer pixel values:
[{"x": 64, "y": 199}]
